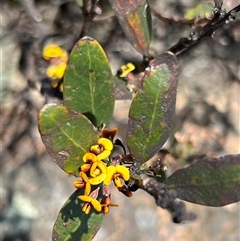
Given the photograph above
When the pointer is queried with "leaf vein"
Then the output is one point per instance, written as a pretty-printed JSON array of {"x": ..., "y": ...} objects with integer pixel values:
[{"x": 72, "y": 140}]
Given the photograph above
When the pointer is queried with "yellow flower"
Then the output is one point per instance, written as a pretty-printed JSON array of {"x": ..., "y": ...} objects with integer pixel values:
[
  {"x": 98, "y": 169},
  {"x": 54, "y": 51},
  {"x": 58, "y": 58},
  {"x": 83, "y": 183},
  {"x": 103, "y": 149},
  {"x": 90, "y": 201},
  {"x": 98, "y": 172},
  {"x": 56, "y": 71},
  {"x": 115, "y": 174},
  {"x": 89, "y": 157},
  {"x": 126, "y": 69},
  {"x": 86, "y": 167}
]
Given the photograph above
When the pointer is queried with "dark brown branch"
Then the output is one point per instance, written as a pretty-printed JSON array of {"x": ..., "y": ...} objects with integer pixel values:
[
  {"x": 219, "y": 18},
  {"x": 167, "y": 200},
  {"x": 91, "y": 9}
]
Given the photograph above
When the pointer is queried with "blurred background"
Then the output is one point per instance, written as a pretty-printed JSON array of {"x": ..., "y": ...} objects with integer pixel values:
[{"x": 33, "y": 188}]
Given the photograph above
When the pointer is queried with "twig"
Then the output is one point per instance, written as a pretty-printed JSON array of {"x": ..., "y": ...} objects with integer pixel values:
[
  {"x": 167, "y": 200},
  {"x": 91, "y": 9},
  {"x": 219, "y": 18}
]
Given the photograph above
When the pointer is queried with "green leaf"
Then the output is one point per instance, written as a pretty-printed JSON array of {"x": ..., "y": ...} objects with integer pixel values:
[
  {"x": 88, "y": 82},
  {"x": 152, "y": 112},
  {"x": 67, "y": 136},
  {"x": 74, "y": 225},
  {"x": 135, "y": 19},
  {"x": 200, "y": 10},
  {"x": 210, "y": 181}
]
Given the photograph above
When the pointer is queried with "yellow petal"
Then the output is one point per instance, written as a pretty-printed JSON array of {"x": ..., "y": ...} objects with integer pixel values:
[
  {"x": 87, "y": 189},
  {"x": 95, "y": 149},
  {"x": 93, "y": 168},
  {"x": 105, "y": 143},
  {"x": 85, "y": 167},
  {"x": 123, "y": 171},
  {"x": 123, "y": 67},
  {"x": 83, "y": 176},
  {"x": 97, "y": 205},
  {"x": 64, "y": 56},
  {"x": 89, "y": 157},
  {"x": 126, "y": 69},
  {"x": 97, "y": 169},
  {"x": 103, "y": 155},
  {"x": 79, "y": 184},
  {"x": 51, "y": 72},
  {"x": 60, "y": 70},
  {"x": 117, "y": 181},
  {"x": 56, "y": 71},
  {"x": 84, "y": 198},
  {"x": 102, "y": 167},
  {"x": 97, "y": 180},
  {"x": 52, "y": 51},
  {"x": 130, "y": 66},
  {"x": 86, "y": 208},
  {"x": 55, "y": 83},
  {"x": 111, "y": 171},
  {"x": 96, "y": 172}
]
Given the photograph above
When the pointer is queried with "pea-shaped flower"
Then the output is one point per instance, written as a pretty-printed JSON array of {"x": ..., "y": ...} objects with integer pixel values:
[
  {"x": 103, "y": 149},
  {"x": 58, "y": 58},
  {"x": 115, "y": 174},
  {"x": 90, "y": 201},
  {"x": 83, "y": 183}
]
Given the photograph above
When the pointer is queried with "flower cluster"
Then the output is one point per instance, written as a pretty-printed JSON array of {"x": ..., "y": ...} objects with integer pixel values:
[
  {"x": 126, "y": 69},
  {"x": 58, "y": 58},
  {"x": 98, "y": 170}
]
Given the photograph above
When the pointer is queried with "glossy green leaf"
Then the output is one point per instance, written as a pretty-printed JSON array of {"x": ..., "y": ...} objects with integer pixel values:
[
  {"x": 135, "y": 19},
  {"x": 74, "y": 225},
  {"x": 210, "y": 181},
  {"x": 88, "y": 82},
  {"x": 67, "y": 136},
  {"x": 152, "y": 112}
]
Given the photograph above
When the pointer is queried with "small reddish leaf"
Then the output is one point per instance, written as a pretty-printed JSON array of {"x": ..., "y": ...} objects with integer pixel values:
[
  {"x": 135, "y": 20},
  {"x": 210, "y": 181}
]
